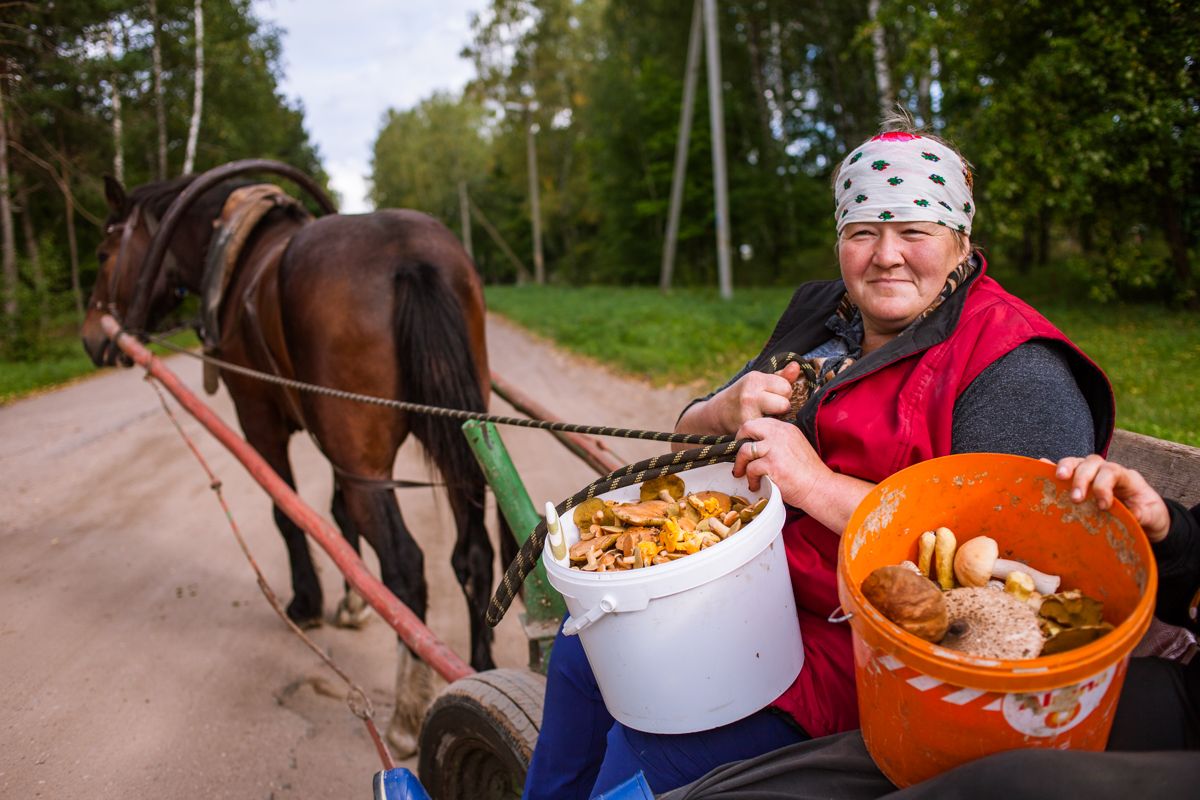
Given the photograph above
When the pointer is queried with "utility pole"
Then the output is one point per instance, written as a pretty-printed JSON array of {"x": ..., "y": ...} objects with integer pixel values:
[
  {"x": 690, "y": 76},
  {"x": 465, "y": 208},
  {"x": 716, "y": 108},
  {"x": 539, "y": 264}
]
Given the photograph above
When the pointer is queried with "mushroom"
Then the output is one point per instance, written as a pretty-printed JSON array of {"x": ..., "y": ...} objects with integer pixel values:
[
  {"x": 943, "y": 555},
  {"x": 648, "y": 512},
  {"x": 1070, "y": 638},
  {"x": 925, "y": 552},
  {"x": 1019, "y": 585},
  {"x": 977, "y": 562},
  {"x": 911, "y": 601},
  {"x": 911, "y": 567},
  {"x": 592, "y": 511},
  {"x": 991, "y": 624},
  {"x": 671, "y": 484}
]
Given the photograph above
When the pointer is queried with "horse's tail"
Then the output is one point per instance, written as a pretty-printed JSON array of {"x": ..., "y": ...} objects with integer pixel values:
[{"x": 437, "y": 368}]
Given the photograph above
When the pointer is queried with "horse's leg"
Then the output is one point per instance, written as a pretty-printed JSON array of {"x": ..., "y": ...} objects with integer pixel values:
[
  {"x": 352, "y": 610},
  {"x": 472, "y": 562},
  {"x": 267, "y": 433},
  {"x": 376, "y": 515},
  {"x": 508, "y": 541}
]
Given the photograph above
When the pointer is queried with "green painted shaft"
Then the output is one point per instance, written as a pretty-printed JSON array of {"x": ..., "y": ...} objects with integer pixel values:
[{"x": 542, "y": 602}]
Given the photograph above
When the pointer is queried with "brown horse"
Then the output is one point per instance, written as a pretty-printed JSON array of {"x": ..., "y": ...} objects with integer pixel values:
[{"x": 385, "y": 304}]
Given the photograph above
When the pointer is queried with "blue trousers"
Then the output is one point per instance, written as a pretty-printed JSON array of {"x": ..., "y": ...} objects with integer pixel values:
[{"x": 582, "y": 751}]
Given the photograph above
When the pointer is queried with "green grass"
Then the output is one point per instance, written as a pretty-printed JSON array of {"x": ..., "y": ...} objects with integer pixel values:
[
  {"x": 1151, "y": 355},
  {"x": 61, "y": 359}
]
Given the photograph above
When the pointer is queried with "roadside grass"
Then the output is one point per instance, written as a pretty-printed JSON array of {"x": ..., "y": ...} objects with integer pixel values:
[
  {"x": 61, "y": 360},
  {"x": 1151, "y": 355}
]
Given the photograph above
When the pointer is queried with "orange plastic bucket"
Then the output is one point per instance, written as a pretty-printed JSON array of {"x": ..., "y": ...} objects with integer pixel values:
[{"x": 925, "y": 709}]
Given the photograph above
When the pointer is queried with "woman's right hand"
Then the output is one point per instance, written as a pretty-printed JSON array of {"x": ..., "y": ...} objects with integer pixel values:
[
  {"x": 753, "y": 396},
  {"x": 1106, "y": 480}
]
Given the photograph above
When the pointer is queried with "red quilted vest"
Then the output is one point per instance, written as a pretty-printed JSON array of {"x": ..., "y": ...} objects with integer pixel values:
[{"x": 872, "y": 425}]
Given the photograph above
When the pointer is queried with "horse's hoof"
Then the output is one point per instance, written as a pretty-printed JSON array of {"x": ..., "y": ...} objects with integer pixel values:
[
  {"x": 304, "y": 616},
  {"x": 352, "y": 612},
  {"x": 404, "y": 743}
]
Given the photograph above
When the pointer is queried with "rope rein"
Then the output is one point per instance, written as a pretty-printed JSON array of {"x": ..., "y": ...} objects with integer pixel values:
[
  {"x": 711, "y": 450},
  {"x": 449, "y": 413}
]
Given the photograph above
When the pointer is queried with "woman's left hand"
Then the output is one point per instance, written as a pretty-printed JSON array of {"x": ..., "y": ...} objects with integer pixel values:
[{"x": 781, "y": 451}]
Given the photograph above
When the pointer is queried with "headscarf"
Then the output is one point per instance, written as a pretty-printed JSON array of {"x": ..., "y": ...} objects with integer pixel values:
[{"x": 901, "y": 177}]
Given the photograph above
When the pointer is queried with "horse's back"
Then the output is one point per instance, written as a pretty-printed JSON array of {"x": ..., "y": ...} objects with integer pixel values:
[{"x": 341, "y": 275}]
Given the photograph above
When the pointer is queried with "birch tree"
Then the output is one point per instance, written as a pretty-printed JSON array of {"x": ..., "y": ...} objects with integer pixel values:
[
  {"x": 115, "y": 99},
  {"x": 189, "y": 158},
  {"x": 160, "y": 109}
]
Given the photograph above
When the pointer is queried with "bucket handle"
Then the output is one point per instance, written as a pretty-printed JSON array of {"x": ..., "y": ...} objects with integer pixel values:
[
  {"x": 607, "y": 605},
  {"x": 836, "y": 620}
]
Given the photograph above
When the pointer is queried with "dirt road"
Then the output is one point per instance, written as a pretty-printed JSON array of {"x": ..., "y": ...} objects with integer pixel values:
[{"x": 137, "y": 657}]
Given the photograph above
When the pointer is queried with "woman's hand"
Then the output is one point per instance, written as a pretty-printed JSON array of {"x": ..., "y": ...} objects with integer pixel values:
[
  {"x": 781, "y": 451},
  {"x": 1106, "y": 480},
  {"x": 755, "y": 395}
]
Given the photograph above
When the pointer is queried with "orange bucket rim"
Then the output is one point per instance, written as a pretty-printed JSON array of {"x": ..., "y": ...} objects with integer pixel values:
[{"x": 998, "y": 675}]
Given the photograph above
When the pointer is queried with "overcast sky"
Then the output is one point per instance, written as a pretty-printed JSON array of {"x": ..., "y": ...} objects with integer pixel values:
[{"x": 351, "y": 60}]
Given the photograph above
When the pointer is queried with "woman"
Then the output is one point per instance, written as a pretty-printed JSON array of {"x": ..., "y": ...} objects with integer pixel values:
[{"x": 913, "y": 354}]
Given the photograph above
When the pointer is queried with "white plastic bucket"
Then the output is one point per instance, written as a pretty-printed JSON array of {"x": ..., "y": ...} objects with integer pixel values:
[{"x": 698, "y": 643}]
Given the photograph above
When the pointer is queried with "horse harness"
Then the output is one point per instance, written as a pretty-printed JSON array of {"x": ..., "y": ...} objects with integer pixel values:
[
  {"x": 128, "y": 226},
  {"x": 243, "y": 211}
]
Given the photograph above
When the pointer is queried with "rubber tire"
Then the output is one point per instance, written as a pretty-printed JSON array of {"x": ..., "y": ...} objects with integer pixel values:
[{"x": 479, "y": 734}]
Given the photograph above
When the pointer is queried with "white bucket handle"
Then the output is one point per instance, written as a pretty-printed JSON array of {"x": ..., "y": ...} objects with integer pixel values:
[
  {"x": 837, "y": 620},
  {"x": 607, "y": 605}
]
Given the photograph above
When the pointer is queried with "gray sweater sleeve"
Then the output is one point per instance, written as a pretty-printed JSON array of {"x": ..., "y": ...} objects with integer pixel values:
[{"x": 1027, "y": 404}]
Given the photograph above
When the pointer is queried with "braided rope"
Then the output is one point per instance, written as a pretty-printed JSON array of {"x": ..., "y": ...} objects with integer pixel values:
[{"x": 450, "y": 413}]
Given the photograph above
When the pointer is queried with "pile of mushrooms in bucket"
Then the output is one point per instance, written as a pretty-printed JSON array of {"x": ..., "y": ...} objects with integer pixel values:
[{"x": 983, "y": 605}]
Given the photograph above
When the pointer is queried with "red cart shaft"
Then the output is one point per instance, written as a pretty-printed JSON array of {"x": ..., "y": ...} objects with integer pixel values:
[{"x": 419, "y": 638}]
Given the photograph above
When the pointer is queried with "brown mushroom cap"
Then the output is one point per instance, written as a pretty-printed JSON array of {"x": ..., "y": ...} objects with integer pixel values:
[
  {"x": 990, "y": 624},
  {"x": 650, "y": 512}
]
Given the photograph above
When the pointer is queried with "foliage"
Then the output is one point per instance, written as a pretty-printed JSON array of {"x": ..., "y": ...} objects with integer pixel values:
[
  {"x": 1151, "y": 356},
  {"x": 422, "y": 154},
  {"x": 1081, "y": 118},
  {"x": 58, "y": 100}
]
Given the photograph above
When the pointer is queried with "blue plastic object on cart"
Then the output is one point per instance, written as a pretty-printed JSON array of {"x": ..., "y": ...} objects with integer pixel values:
[
  {"x": 400, "y": 784},
  {"x": 635, "y": 788}
]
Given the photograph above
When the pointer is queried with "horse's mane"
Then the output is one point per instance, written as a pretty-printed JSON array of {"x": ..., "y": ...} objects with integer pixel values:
[{"x": 156, "y": 198}]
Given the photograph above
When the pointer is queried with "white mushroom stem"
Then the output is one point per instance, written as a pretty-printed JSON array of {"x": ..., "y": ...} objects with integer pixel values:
[
  {"x": 1042, "y": 583},
  {"x": 558, "y": 546}
]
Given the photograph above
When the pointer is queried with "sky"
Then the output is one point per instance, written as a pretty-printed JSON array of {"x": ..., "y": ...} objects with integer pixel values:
[{"x": 350, "y": 61}]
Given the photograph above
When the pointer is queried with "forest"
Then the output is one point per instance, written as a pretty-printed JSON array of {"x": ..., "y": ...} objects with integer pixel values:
[
  {"x": 90, "y": 87},
  {"x": 1080, "y": 119}
]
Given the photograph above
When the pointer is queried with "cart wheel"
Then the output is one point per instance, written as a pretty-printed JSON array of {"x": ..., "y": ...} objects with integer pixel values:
[{"x": 479, "y": 734}]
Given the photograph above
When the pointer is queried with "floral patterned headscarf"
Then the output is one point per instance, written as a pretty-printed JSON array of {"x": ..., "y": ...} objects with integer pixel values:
[{"x": 901, "y": 177}]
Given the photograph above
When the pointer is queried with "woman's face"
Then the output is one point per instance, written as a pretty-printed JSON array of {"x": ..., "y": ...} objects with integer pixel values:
[{"x": 894, "y": 270}]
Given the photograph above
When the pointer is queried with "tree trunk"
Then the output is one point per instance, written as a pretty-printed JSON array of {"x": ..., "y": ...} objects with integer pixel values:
[
  {"x": 34, "y": 256},
  {"x": 160, "y": 108},
  {"x": 65, "y": 183},
  {"x": 189, "y": 158},
  {"x": 6, "y": 227},
  {"x": 115, "y": 96},
  {"x": 883, "y": 77},
  {"x": 535, "y": 211},
  {"x": 1172, "y": 222}
]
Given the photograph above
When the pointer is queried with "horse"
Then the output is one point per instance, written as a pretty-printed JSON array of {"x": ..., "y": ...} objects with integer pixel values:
[{"x": 387, "y": 304}]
